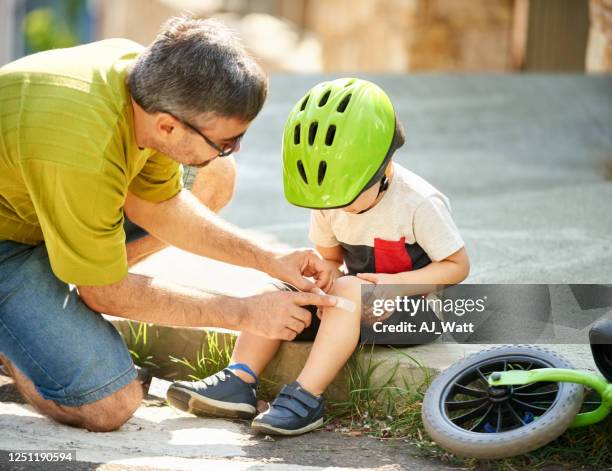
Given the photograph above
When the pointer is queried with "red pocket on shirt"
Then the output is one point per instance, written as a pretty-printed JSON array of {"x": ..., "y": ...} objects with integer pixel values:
[{"x": 391, "y": 256}]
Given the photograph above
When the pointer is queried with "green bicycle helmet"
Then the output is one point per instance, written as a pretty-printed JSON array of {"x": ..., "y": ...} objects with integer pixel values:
[{"x": 337, "y": 142}]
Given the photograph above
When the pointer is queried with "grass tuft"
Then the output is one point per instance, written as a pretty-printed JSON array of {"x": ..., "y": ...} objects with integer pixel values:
[
  {"x": 214, "y": 355},
  {"x": 137, "y": 342}
]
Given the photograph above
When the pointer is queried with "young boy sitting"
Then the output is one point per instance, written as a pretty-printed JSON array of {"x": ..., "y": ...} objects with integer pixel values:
[{"x": 382, "y": 222}]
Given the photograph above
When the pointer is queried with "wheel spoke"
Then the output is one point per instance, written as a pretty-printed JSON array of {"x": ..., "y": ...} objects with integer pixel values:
[
  {"x": 469, "y": 391},
  {"x": 515, "y": 414},
  {"x": 459, "y": 405},
  {"x": 470, "y": 415},
  {"x": 545, "y": 396},
  {"x": 483, "y": 419},
  {"x": 482, "y": 376},
  {"x": 533, "y": 387},
  {"x": 499, "y": 419},
  {"x": 530, "y": 407}
]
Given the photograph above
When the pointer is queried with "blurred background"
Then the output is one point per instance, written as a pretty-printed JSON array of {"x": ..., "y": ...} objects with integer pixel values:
[{"x": 345, "y": 35}]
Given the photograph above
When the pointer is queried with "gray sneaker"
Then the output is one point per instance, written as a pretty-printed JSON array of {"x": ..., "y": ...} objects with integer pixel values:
[{"x": 220, "y": 395}]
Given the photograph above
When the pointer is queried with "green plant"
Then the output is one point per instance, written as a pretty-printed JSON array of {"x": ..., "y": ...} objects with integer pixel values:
[
  {"x": 391, "y": 409},
  {"x": 44, "y": 30},
  {"x": 214, "y": 355},
  {"x": 138, "y": 344}
]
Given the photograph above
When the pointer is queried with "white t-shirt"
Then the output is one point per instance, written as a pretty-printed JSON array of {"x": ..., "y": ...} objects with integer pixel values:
[{"x": 409, "y": 227}]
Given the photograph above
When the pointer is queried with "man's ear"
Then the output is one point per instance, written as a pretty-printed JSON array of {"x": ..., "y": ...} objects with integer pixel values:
[{"x": 165, "y": 124}]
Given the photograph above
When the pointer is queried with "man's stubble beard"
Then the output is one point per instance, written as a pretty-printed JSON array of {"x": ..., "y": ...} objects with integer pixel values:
[{"x": 182, "y": 154}]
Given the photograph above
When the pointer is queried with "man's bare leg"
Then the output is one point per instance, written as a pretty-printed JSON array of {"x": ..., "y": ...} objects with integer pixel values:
[
  {"x": 213, "y": 186},
  {"x": 104, "y": 415}
]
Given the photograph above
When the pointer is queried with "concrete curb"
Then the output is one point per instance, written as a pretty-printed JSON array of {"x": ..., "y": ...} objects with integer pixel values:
[{"x": 413, "y": 365}]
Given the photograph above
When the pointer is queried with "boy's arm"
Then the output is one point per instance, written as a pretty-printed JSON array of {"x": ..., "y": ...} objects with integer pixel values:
[
  {"x": 452, "y": 270},
  {"x": 334, "y": 257}
]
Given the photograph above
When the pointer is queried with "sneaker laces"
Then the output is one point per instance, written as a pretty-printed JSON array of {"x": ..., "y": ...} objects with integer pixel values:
[{"x": 213, "y": 380}]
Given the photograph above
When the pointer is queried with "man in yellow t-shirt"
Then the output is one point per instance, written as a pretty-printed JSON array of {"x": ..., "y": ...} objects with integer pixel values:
[{"x": 90, "y": 136}]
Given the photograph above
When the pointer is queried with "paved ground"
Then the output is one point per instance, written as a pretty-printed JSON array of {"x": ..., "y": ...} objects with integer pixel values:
[
  {"x": 527, "y": 163},
  {"x": 159, "y": 438}
]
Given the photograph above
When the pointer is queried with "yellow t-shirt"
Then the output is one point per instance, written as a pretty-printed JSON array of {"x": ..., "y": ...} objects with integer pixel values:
[{"x": 68, "y": 156}]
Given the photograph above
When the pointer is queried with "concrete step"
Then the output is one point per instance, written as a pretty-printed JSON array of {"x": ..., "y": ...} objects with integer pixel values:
[{"x": 414, "y": 365}]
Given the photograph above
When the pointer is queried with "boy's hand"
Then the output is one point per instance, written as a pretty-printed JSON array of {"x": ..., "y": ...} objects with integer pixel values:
[
  {"x": 380, "y": 291},
  {"x": 334, "y": 274},
  {"x": 294, "y": 266},
  {"x": 379, "y": 278}
]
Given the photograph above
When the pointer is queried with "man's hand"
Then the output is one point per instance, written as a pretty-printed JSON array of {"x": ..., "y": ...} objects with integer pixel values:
[
  {"x": 294, "y": 266},
  {"x": 280, "y": 315}
]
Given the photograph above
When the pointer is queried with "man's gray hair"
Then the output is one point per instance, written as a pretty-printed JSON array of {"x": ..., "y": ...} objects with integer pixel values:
[{"x": 198, "y": 67}]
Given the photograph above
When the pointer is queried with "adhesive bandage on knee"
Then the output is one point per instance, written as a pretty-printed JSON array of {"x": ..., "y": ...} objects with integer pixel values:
[
  {"x": 345, "y": 304},
  {"x": 341, "y": 303}
]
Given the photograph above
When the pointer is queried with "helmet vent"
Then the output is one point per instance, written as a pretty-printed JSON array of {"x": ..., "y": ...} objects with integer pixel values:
[
  {"x": 322, "y": 170},
  {"x": 296, "y": 134},
  {"x": 324, "y": 98},
  {"x": 344, "y": 103},
  {"x": 329, "y": 137},
  {"x": 304, "y": 103},
  {"x": 302, "y": 171},
  {"x": 349, "y": 83},
  {"x": 312, "y": 132}
]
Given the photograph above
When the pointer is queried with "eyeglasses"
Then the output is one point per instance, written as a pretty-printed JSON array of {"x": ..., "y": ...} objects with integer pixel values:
[{"x": 222, "y": 151}]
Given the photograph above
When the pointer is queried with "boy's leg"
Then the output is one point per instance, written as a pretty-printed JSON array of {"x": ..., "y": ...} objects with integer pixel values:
[
  {"x": 254, "y": 351},
  {"x": 336, "y": 339},
  {"x": 299, "y": 406},
  {"x": 229, "y": 393}
]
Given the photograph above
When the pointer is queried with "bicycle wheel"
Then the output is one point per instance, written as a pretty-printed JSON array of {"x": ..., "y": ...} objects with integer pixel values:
[{"x": 466, "y": 416}]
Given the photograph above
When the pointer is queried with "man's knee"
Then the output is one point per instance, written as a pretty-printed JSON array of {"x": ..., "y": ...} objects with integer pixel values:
[
  {"x": 214, "y": 184},
  {"x": 111, "y": 412}
]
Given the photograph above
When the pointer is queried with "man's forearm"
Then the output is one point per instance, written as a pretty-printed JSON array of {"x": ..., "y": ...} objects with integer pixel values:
[
  {"x": 184, "y": 222},
  {"x": 145, "y": 299},
  {"x": 140, "y": 249}
]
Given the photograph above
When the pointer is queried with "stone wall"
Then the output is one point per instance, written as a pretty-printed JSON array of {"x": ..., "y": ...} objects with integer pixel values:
[
  {"x": 277, "y": 43},
  {"x": 599, "y": 50},
  {"x": 350, "y": 36},
  {"x": 401, "y": 35}
]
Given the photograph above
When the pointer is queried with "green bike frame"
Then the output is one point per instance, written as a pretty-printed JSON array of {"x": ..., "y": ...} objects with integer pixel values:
[{"x": 587, "y": 378}]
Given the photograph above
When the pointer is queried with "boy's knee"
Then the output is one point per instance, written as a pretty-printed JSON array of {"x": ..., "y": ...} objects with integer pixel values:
[
  {"x": 109, "y": 413},
  {"x": 349, "y": 287}
]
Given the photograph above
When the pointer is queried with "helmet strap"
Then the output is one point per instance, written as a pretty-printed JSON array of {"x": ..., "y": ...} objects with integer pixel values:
[{"x": 384, "y": 184}]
